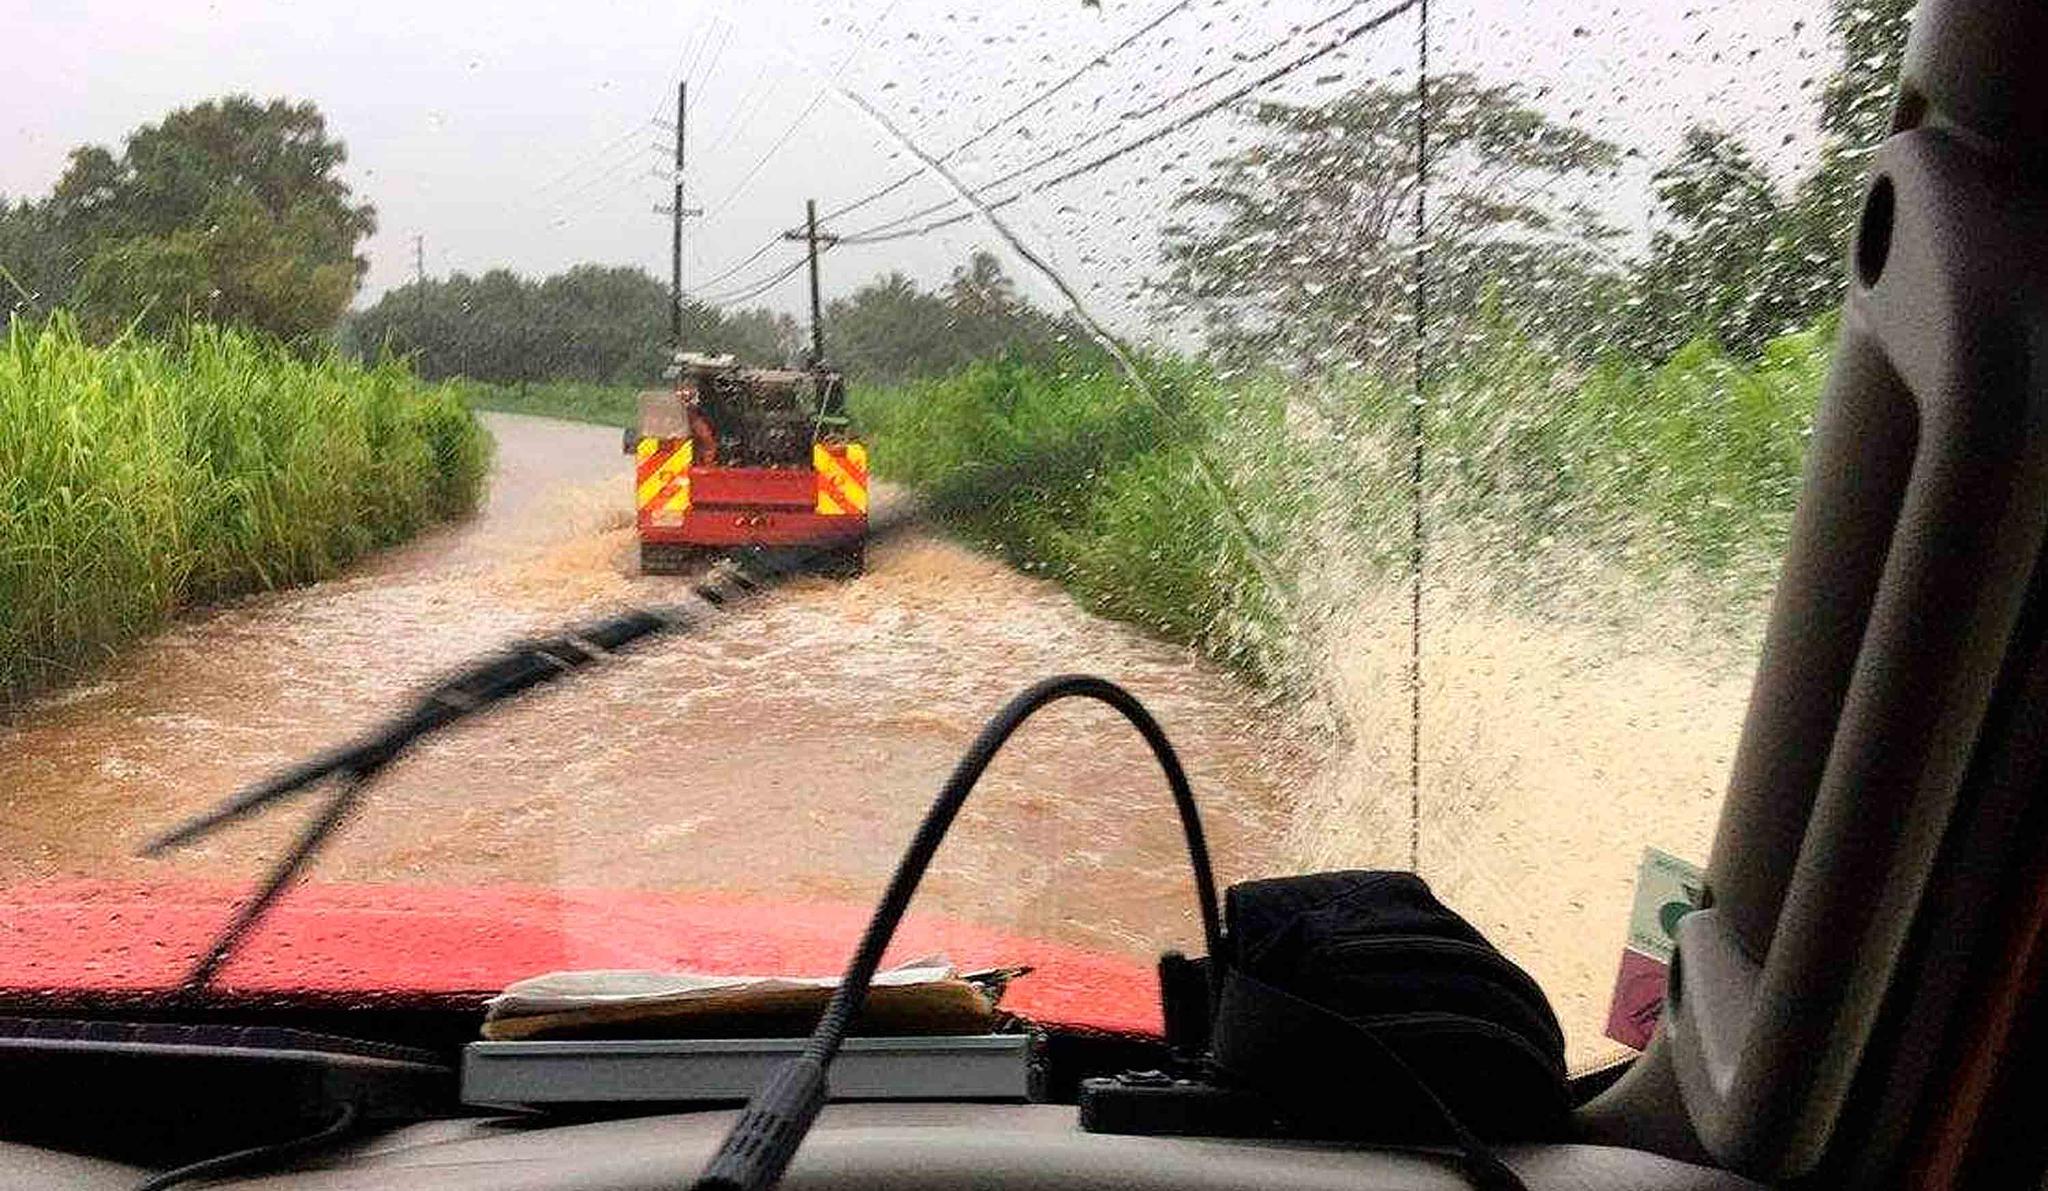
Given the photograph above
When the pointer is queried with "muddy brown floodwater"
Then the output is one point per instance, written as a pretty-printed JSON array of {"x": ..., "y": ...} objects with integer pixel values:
[{"x": 789, "y": 752}]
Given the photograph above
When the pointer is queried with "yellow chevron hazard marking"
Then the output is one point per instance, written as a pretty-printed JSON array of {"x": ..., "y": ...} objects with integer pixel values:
[
  {"x": 664, "y": 480},
  {"x": 842, "y": 478}
]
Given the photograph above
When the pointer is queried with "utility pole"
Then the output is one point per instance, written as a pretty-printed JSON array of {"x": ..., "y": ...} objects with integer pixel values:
[
  {"x": 419, "y": 272},
  {"x": 812, "y": 238},
  {"x": 677, "y": 212},
  {"x": 675, "y": 234}
]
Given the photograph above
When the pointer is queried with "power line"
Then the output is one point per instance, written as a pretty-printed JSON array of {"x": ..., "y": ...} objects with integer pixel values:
[
  {"x": 1034, "y": 101},
  {"x": 750, "y": 102},
  {"x": 879, "y": 233},
  {"x": 701, "y": 34},
  {"x": 599, "y": 206},
  {"x": 591, "y": 157},
  {"x": 698, "y": 34},
  {"x": 816, "y": 100},
  {"x": 757, "y": 254},
  {"x": 755, "y": 169},
  {"x": 1101, "y": 59},
  {"x": 616, "y": 172},
  {"x": 753, "y": 290},
  {"x": 1071, "y": 148},
  {"x": 818, "y": 243},
  {"x": 711, "y": 67},
  {"x": 711, "y": 26},
  {"x": 715, "y": 142},
  {"x": 749, "y": 293}
]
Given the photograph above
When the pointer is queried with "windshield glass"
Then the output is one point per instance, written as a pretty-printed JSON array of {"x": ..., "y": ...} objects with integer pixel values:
[{"x": 1405, "y": 399}]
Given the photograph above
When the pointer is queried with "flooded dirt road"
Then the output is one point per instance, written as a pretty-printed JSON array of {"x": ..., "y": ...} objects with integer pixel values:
[{"x": 788, "y": 753}]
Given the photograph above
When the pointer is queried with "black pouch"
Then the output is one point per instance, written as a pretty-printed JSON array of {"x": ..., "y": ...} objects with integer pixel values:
[{"x": 1365, "y": 1009}]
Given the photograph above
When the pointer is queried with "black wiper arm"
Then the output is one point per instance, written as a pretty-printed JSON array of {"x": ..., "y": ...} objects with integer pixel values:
[
  {"x": 503, "y": 675},
  {"x": 280, "y": 877}
]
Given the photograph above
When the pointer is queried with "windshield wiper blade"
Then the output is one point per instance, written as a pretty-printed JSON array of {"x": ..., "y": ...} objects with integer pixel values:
[{"x": 503, "y": 675}]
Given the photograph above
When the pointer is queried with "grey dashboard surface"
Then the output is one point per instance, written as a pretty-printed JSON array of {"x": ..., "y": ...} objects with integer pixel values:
[
  {"x": 31, "y": 1168},
  {"x": 914, "y": 1146}
]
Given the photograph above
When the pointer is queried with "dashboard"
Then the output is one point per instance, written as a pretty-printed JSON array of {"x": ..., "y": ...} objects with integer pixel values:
[{"x": 856, "y": 1146}]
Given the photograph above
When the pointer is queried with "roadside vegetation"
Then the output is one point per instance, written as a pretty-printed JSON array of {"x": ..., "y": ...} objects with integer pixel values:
[
  {"x": 149, "y": 475},
  {"x": 1208, "y": 509},
  {"x": 176, "y": 424},
  {"x": 575, "y": 400}
]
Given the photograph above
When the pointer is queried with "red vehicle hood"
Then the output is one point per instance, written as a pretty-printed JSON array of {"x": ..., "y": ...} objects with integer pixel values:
[{"x": 125, "y": 937}]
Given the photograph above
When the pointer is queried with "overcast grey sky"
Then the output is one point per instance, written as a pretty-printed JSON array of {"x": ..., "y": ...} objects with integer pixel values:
[{"x": 520, "y": 136}]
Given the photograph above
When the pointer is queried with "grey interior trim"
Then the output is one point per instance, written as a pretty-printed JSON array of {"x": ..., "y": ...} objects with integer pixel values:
[
  {"x": 32, "y": 1168},
  {"x": 924, "y": 1147},
  {"x": 1871, "y": 760},
  {"x": 1894, "y": 626}
]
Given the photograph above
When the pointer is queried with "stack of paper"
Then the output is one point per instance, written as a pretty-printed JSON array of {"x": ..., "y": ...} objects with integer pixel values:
[{"x": 921, "y": 997}]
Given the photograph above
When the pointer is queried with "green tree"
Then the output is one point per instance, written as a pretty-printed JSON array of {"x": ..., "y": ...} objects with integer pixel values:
[
  {"x": 1740, "y": 259},
  {"x": 1303, "y": 245},
  {"x": 989, "y": 317},
  {"x": 890, "y": 330},
  {"x": 1730, "y": 262},
  {"x": 756, "y": 334},
  {"x": 232, "y": 210},
  {"x": 36, "y": 269},
  {"x": 239, "y": 267}
]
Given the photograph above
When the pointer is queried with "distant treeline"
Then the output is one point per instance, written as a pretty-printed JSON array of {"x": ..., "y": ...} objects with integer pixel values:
[
  {"x": 609, "y": 326},
  {"x": 890, "y": 330},
  {"x": 595, "y": 323}
]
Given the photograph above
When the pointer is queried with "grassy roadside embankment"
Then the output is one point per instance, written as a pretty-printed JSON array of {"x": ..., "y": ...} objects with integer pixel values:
[
  {"x": 1211, "y": 512},
  {"x": 576, "y": 401},
  {"x": 144, "y": 477}
]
